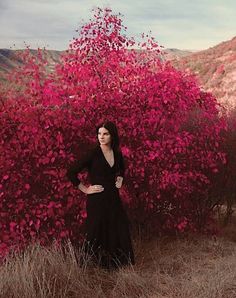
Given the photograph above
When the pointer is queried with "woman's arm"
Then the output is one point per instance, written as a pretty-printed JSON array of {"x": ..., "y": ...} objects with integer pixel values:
[
  {"x": 77, "y": 166},
  {"x": 121, "y": 170},
  {"x": 83, "y": 163}
]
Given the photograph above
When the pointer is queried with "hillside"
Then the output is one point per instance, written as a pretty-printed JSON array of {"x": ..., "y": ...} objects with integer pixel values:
[
  {"x": 10, "y": 59},
  {"x": 177, "y": 54},
  {"x": 215, "y": 67},
  {"x": 216, "y": 70}
]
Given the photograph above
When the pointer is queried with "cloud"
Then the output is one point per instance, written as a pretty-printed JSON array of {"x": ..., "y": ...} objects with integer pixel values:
[
  {"x": 183, "y": 24},
  {"x": 194, "y": 25},
  {"x": 3, "y": 7}
]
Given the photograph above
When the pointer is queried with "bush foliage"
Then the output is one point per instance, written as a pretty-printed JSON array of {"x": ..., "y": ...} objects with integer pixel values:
[{"x": 170, "y": 133}]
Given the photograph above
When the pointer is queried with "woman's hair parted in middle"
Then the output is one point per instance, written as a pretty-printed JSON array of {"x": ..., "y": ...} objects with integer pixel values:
[{"x": 111, "y": 127}]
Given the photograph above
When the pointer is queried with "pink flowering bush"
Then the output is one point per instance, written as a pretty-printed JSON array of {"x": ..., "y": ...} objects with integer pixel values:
[
  {"x": 170, "y": 132},
  {"x": 223, "y": 188}
]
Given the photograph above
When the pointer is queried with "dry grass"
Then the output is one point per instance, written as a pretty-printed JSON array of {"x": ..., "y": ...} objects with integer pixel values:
[{"x": 196, "y": 266}]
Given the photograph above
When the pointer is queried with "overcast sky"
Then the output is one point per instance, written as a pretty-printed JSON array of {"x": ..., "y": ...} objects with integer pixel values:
[{"x": 183, "y": 24}]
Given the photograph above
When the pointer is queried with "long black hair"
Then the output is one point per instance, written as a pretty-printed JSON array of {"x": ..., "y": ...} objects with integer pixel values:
[{"x": 111, "y": 127}]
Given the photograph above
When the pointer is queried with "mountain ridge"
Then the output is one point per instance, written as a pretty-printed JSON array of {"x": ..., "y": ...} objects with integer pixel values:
[
  {"x": 214, "y": 67},
  {"x": 216, "y": 70}
]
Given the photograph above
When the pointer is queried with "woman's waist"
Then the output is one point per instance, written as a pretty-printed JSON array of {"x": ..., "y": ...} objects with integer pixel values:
[
  {"x": 106, "y": 185},
  {"x": 104, "y": 179}
]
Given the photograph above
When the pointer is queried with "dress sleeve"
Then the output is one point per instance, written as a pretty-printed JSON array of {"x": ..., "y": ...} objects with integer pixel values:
[
  {"x": 79, "y": 165},
  {"x": 121, "y": 165}
]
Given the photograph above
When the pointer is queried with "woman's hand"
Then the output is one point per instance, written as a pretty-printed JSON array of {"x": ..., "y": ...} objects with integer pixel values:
[
  {"x": 119, "y": 181},
  {"x": 94, "y": 188}
]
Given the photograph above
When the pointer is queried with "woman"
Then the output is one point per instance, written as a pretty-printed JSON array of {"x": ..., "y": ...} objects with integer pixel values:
[{"x": 107, "y": 225}]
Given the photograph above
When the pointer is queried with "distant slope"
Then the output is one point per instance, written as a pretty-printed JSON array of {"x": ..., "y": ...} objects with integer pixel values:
[
  {"x": 10, "y": 59},
  {"x": 216, "y": 69},
  {"x": 176, "y": 53}
]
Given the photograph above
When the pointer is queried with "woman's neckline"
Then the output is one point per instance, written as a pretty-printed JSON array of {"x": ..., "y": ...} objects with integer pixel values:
[{"x": 106, "y": 159}]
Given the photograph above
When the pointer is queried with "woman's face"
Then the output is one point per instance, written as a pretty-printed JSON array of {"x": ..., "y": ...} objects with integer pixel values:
[{"x": 104, "y": 136}]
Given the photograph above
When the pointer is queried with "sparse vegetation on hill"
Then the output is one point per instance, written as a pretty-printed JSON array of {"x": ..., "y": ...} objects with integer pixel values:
[
  {"x": 216, "y": 69},
  {"x": 10, "y": 59}
]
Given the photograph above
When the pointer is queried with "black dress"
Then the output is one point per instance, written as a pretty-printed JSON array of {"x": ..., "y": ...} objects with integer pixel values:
[{"x": 107, "y": 225}]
